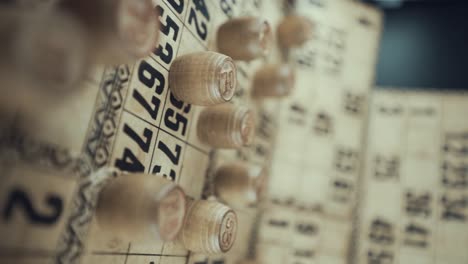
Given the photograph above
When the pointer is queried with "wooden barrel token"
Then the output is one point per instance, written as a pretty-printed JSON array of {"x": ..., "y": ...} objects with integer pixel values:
[
  {"x": 244, "y": 38},
  {"x": 203, "y": 78},
  {"x": 273, "y": 81},
  {"x": 226, "y": 126},
  {"x": 141, "y": 207},
  {"x": 121, "y": 31},
  {"x": 210, "y": 227},
  {"x": 43, "y": 57},
  {"x": 294, "y": 31},
  {"x": 239, "y": 184}
]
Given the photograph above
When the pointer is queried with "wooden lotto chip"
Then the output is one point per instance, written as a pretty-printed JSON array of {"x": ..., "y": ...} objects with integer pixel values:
[
  {"x": 121, "y": 30},
  {"x": 239, "y": 183},
  {"x": 43, "y": 56},
  {"x": 293, "y": 31},
  {"x": 210, "y": 227},
  {"x": 203, "y": 78},
  {"x": 273, "y": 81},
  {"x": 245, "y": 38},
  {"x": 226, "y": 126},
  {"x": 141, "y": 207}
]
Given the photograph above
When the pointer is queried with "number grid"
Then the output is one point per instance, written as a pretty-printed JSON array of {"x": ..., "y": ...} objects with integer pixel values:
[
  {"x": 153, "y": 138},
  {"x": 414, "y": 225},
  {"x": 160, "y": 128}
]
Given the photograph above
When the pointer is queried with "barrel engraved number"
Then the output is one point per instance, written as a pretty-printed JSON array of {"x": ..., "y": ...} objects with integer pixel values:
[
  {"x": 227, "y": 81},
  {"x": 18, "y": 198},
  {"x": 227, "y": 235}
]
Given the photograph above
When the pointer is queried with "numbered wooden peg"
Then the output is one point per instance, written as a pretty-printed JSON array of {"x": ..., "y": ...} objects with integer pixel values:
[
  {"x": 244, "y": 38},
  {"x": 141, "y": 207},
  {"x": 203, "y": 78},
  {"x": 43, "y": 57},
  {"x": 273, "y": 81},
  {"x": 121, "y": 31},
  {"x": 293, "y": 31},
  {"x": 226, "y": 126},
  {"x": 239, "y": 184},
  {"x": 209, "y": 228}
]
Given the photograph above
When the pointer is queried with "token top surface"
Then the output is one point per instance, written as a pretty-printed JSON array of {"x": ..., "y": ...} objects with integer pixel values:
[
  {"x": 171, "y": 212},
  {"x": 227, "y": 79},
  {"x": 247, "y": 128},
  {"x": 227, "y": 234}
]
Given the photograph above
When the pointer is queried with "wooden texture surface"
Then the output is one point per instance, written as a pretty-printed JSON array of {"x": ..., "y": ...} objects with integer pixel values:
[{"x": 310, "y": 145}]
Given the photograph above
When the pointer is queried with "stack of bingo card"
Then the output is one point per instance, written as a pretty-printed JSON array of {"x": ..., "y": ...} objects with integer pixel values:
[
  {"x": 316, "y": 166},
  {"x": 413, "y": 206},
  {"x": 238, "y": 175},
  {"x": 114, "y": 114}
]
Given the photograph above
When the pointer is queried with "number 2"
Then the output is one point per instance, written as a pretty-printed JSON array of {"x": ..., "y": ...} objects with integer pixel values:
[
  {"x": 19, "y": 198},
  {"x": 201, "y": 29}
]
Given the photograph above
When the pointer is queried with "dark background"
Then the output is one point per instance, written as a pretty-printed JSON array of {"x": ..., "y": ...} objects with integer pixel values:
[{"x": 424, "y": 44}]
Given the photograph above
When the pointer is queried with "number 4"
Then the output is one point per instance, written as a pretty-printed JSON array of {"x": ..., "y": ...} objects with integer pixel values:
[{"x": 201, "y": 6}]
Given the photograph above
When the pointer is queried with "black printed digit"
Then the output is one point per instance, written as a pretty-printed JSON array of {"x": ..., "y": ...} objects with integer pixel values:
[
  {"x": 179, "y": 104},
  {"x": 148, "y": 75},
  {"x": 175, "y": 121},
  {"x": 157, "y": 170},
  {"x": 166, "y": 54},
  {"x": 298, "y": 113},
  {"x": 129, "y": 162},
  {"x": 178, "y": 5},
  {"x": 152, "y": 109},
  {"x": 227, "y": 7},
  {"x": 201, "y": 28},
  {"x": 306, "y": 229},
  {"x": 200, "y": 6},
  {"x": 173, "y": 157},
  {"x": 168, "y": 25},
  {"x": 18, "y": 199},
  {"x": 144, "y": 144}
]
